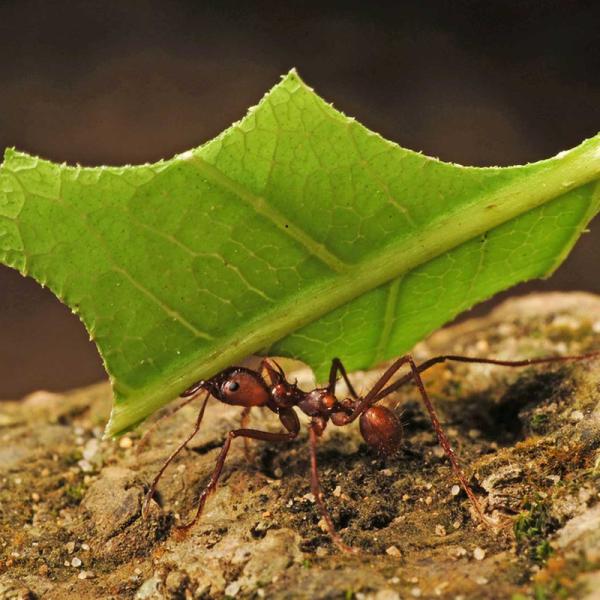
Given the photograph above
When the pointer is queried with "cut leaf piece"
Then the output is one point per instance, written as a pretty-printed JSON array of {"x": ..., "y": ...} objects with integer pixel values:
[{"x": 297, "y": 230}]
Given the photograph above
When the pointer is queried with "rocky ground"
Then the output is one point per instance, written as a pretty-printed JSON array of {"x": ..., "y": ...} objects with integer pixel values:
[{"x": 70, "y": 502}]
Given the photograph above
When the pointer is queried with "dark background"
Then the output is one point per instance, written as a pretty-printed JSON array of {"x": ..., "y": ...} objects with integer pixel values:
[{"x": 479, "y": 83}]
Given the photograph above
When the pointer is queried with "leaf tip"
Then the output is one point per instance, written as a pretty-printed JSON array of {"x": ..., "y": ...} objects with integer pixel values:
[
  {"x": 293, "y": 77},
  {"x": 9, "y": 153}
]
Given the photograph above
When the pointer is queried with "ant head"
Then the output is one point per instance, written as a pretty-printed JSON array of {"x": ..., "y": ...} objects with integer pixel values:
[{"x": 239, "y": 386}]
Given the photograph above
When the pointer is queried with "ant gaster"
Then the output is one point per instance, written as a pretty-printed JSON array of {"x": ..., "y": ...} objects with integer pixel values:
[{"x": 380, "y": 427}]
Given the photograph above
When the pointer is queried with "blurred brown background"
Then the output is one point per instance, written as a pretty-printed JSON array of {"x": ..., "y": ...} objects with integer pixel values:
[{"x": 480, "y": 83}]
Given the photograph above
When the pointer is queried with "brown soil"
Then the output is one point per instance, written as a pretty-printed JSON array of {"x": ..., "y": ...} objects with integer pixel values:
[{"x": 70, "y": 502}]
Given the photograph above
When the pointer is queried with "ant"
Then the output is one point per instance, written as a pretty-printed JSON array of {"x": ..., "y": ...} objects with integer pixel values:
[{"x": 380, "y": 427}]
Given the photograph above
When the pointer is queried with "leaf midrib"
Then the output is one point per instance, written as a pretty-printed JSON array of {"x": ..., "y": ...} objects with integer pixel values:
[{"x": 563, "y": 173}]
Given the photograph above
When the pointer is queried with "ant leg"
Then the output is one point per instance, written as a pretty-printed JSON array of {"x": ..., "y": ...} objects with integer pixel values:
[
  {"x": 146, "y": 435},
  {"x": 424, "y": 366},
  {"x": 173, "y": 455},
  {"x": 337, "y": 365},
  {"x": 286, "y": 419},
  {"x": 442, "y": 439},
  {"x": 318, "y": 494},
  {"x": 244, "y": 425},
  {"x": 376, "y": 394}
]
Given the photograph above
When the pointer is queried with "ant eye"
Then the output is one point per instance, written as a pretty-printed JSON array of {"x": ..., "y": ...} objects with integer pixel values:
[{"x": 234, "y": 386}]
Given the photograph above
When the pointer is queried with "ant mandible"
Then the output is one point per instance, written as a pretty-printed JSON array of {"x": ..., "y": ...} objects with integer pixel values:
[{"x": 380, "y": 427}]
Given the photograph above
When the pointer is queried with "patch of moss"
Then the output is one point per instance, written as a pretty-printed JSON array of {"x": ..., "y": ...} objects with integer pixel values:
[
  {"x": 532, "y": 528},
  {"x": 74, "y": 493}
]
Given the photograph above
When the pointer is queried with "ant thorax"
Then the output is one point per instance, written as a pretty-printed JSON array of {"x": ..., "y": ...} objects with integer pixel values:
[{"x": 319, "y": 402}]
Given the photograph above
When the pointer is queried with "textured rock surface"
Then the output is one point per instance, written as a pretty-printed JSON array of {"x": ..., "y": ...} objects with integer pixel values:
[{"x": 70, "y": 502}]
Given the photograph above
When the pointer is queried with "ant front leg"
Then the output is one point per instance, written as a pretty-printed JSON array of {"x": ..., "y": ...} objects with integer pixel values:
[
  {"x": 288, "y": 419},
  {"x": 314, "y": 430},
  {"x": 143, "y": 441},
  {"x": 175, "y": 452}
]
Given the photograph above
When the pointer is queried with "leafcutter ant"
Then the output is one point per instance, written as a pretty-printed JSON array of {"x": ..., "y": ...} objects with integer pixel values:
[{"x": 380, "y": 427}]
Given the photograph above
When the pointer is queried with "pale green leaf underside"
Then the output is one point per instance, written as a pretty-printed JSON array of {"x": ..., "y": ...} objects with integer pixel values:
[{"x": 297, "y": 231}]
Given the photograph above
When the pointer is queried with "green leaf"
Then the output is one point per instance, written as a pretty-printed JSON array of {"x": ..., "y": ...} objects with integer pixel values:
[{"x": 296, "y": 232}]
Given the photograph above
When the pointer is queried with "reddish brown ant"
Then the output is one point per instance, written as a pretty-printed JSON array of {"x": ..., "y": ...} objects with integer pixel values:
[{"x": 380, "y": 427}]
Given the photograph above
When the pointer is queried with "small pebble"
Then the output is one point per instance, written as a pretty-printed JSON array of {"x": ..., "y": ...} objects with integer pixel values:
[
  {"x": 125, "y": 442},
  {"x": 310, "y": 497},
  {"x": 456, "y": 524},
  {"x": 233, "y": 588},
  {"x": 481, "y": 580},
  {"x": 386, "y": 472},
  {"x": 428, "y": 500},
  {"x": 577, "y": 416},
  {"x": 415, "y": 592},
  {"x": 438, "y": 452},
  {"x": 85, "y": 547},
  {"x": 323, "y": 525},
  {"x": 441, "y": 587},
  {"x": 70, "y": 547},
  {"x": 338, "y": 491},
  {"x": 85, "y": 466},
  {"x": 393, "y": 551},
  {"x": 455, "y": 490},
  {"x": 440, "y": 530},
  {"x": 75, "y": 562},
  {"x": 460, "y": 551},
  {"x": 479, "y": 553},
  {"x": 35, "y": 497}
]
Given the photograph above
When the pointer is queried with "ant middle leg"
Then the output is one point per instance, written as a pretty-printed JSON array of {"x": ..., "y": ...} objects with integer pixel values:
[
  {"x": 289, "y": 420},
  {"x": 313, "y": 432},
  {"x": 338, "y": 366},
  {"x": 244, "y": 421}
]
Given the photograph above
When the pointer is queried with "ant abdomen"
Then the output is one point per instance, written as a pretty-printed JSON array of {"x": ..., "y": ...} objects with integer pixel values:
[{"x": 381, "y": 429}]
